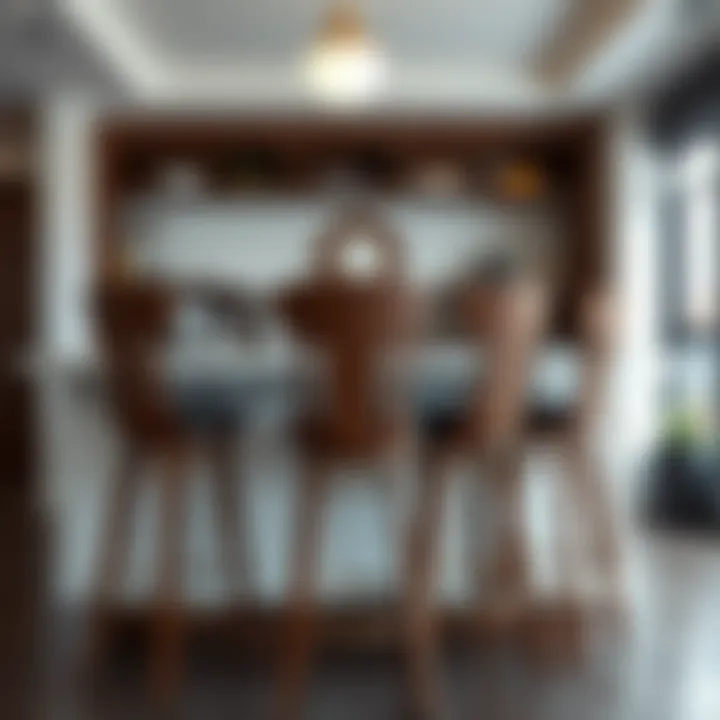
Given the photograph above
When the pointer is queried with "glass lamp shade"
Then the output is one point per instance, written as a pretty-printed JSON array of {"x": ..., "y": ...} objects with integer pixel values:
[{"x": 345, "y": 71}]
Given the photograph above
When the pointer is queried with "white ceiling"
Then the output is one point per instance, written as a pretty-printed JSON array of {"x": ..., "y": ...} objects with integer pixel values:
[
  {"x": 40, "y": 51},
  {"x": 276, "y": 32},
  {"x": 444, "y": 53}
]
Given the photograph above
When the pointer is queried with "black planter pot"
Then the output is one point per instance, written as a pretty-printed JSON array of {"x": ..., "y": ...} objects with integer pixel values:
[{"x": 684, "y": 488}]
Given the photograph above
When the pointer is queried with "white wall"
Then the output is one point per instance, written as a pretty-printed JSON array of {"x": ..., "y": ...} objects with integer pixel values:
[
  {"x": 261, "y": 244},
  {"x": 69, "y": 248},
  {"x": 636, "y": 178}
]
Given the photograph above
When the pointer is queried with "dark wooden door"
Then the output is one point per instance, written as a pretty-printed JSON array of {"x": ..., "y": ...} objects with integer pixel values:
[
  {"x": 16, "y": 331},
  {"x": 22, "y": 567}
]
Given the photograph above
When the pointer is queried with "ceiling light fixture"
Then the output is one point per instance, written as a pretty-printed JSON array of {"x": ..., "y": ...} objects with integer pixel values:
[{"x": 345, "y": 66}]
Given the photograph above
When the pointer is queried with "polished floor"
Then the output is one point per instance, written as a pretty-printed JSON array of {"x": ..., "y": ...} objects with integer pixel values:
[{"x": 665, "y": 665}]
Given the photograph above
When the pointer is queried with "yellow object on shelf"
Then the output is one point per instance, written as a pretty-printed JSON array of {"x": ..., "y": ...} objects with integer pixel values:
[{"x": 522, "y": 181}]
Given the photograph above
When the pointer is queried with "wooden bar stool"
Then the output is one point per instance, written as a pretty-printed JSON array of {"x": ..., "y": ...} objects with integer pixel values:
[
  {"x": 134, "y": 324},
  {"x": 584, "y": 500},
  {"x": 353, "y": 323},
  {"x": 506, "y": 320}
]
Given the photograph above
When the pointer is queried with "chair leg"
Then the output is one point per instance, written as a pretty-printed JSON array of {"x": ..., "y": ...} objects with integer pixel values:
[
  {"x": 570, "y": 525},
  {"x": 230, "y": 506},
  {"x": 599, "y": 504},
  {"x": 299, "y": 640},
  {"x": 421, "y": 578},
  {"x": 392, "y": 472},
  {"x": 473, "y": 524},
  {"x": 113, "y": 555},
  {"x": 597, "y": 513},
  {"x": 168, "y": 631},
  {"x": 509, "y": 571}
]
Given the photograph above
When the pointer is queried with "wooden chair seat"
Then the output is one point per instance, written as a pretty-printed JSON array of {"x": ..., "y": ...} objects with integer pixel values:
[
  {"x": 321, "y": 439},
  {"x": 451, "y": 431},
  {"x": 545, "y": 421},
  {"x": 207, "y": 410}
]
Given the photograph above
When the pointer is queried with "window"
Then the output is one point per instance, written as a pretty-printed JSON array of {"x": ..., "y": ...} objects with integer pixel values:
[
  {"x": 690, "y": 260},
  {"x": 700, "y": 190}
]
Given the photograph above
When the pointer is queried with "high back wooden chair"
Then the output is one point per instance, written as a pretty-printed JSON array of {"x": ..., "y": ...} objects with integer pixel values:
[
  {"x": 585, "y": 505},
  {"x": 507, "y": 321},
  {"x": 134, "y": 323},
  {"x": 352, "y": 324}
]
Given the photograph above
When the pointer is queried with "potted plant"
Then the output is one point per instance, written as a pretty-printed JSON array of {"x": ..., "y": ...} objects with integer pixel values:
[{"x": 684, "y": 488}]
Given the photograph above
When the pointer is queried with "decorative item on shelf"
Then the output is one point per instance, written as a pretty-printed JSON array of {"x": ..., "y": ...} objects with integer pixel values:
[
  {"x": 520, "y": 181},
  {"x": 182, "y": 180},
  {"x": 375, "y": 168},
  {"x": 341, "y": 180},
  {"x": 252, "y": 169},
  {"x": 440, "y": 178}
]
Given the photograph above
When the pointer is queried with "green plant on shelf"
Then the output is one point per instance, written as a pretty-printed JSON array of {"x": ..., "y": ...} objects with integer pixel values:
[{"x": 689, "y": 427}]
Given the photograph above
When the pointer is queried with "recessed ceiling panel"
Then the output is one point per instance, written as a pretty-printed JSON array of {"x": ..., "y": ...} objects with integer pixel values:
[{"x": 274, "y": 32}]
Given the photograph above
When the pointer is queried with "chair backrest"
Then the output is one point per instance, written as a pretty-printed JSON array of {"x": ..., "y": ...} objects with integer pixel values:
[
  {"x": 361, "y": 227},
  {"x": 599, "y": 326},
  {"x": 508, "y": 320},
  {"x": 134, "y": 321},
  {"x": 353, "y": 324}
]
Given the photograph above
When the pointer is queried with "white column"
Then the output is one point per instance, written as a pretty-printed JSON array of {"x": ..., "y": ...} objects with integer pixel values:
[{"x": 636, "y": 180}]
